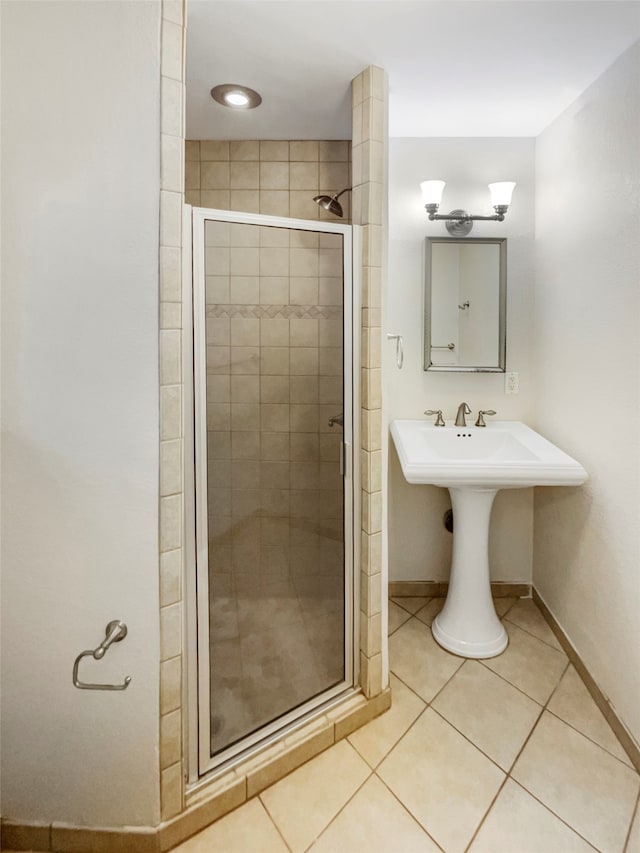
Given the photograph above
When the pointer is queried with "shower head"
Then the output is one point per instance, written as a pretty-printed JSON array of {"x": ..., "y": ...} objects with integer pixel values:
[{"x": 330, "y": 202}]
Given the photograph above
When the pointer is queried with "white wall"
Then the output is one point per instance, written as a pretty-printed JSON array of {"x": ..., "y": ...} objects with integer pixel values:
[
  {"x": 419, "y": 546},
  {"x": 80, "y": 173},
  {"x": 587, "y": 320}
]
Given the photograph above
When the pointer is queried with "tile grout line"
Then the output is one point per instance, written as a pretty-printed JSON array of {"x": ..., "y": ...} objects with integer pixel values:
[
  {"x": 397, "y": 741},
  {"x": 399, "y": 801},
  {"x": 510, "y": 607},
  {"x": 519, "y": 753},
  {"x": 635, "y": 816},
  {"x": 511, "y": 622},
  {"x": 526, "y": 741},
  {"x": 486, "y": 814},
  {"x": 546, "y": 708},
  {"x": 412, "y": 596},
  {"x": 543, "y": 708},
  {"x": 561, "y": 819},
  {"x": 422, "y": 699},
  {"x": 507, "y": 774},
  {"x": 397, "y": 628},
  {"x": 343, "y": 807},
  {"x": 475, "y": 745},
  {"x": 374, "y": 771},
  {"x": 506, "y": 681},
  {"x": 270, "y": 816},
  {"x": 275, "y": 825},
  {"x": 530, "y": 793},
  {"x": 403, "y": 734},
  {"x": 481, "y": 661},
  {"x": 533, "y": 728},
  {"x": 591, "y": 740}
]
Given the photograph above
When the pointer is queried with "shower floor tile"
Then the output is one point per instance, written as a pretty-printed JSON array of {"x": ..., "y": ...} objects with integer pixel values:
[
  {"x": 272, "y": 649},
  {"x": 535, "y": 769}
]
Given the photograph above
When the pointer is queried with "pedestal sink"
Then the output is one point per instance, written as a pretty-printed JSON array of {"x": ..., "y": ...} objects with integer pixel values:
[{"x": 473, "y": 463}]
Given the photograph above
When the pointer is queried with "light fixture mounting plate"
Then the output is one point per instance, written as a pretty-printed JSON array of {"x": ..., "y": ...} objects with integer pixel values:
[{"x": 458, "y": 227}]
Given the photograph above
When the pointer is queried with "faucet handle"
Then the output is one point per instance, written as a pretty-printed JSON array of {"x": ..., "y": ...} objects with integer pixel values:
[
  {"x": 480, "y": 422},
  {"x": 439, "y": 419}
]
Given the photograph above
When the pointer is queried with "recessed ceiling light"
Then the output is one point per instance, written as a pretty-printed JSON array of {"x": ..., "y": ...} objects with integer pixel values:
[{"x": 236, "y": 97}]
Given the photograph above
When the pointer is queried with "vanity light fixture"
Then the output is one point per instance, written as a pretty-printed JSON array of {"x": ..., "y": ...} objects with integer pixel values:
[
  {"x": 236, "y": 97},
  {"x": 459, "y": 223}
]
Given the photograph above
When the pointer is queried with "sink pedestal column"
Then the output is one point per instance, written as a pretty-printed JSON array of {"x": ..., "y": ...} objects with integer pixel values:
[{"x": 468, "y": 624}]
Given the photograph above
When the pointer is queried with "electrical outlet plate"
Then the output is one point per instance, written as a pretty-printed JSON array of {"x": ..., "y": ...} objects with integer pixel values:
[{"x": 511, "y": 383}]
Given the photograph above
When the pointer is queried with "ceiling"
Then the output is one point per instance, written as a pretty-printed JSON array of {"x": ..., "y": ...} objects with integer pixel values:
[{"x": 455, "y": 67}]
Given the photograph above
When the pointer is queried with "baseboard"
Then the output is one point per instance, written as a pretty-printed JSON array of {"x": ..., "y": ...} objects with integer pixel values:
[
  {"x": 64, "y": 838},
  {"x": 627, "y": 741},
  {"x": 211, "y": 802},
  {"x": 438, "y": 589}
]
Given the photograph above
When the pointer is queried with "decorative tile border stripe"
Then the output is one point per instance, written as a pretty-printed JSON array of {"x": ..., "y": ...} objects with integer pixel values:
[
  {"x": 276, "y": 312},
  {"x": 439, "y": 589},
  {"x": 209, "y": 803},
  {"x": 627, "y": 742}
]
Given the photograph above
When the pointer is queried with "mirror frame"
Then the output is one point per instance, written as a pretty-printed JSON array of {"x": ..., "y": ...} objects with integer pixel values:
[{"x": 501, "y": 242}]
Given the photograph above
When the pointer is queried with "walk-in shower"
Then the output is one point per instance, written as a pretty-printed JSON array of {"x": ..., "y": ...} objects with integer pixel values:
[{"x": 273, "y": 425}]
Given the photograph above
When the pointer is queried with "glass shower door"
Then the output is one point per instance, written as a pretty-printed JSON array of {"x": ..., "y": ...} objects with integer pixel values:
[{"x": 272, "y": 414}]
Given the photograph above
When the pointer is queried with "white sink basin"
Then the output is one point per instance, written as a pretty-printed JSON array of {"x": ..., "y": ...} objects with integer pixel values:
[
  {"x": 502, "y": 455},
  {"x": 473, "y": 463}
]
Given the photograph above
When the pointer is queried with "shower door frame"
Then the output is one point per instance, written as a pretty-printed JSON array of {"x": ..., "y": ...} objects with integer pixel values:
[{"x": 197, "y": 684}]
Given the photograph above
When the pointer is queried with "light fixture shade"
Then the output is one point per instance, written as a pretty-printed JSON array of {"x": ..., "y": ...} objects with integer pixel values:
[
  {"x": 432, "y": 191},
  {"x": 501, "y": 193}
]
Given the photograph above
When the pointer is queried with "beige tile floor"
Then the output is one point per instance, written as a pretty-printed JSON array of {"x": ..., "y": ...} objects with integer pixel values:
[{"x": 508, "y": 755}]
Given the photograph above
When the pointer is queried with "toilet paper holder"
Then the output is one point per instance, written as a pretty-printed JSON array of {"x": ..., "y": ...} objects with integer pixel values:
[{"x": 115, "y": 632}]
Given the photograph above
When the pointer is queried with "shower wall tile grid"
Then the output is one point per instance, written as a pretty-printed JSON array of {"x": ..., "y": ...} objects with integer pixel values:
[
  {"x": 275, "y": 492},
  {"x": 369, "y": 103},
  {"x": 278, "y": 178},
  {"x": 171, "y": 428}
]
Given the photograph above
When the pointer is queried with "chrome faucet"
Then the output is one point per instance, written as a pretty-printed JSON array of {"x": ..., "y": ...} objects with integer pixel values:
[{"x": 463, "y": 409}]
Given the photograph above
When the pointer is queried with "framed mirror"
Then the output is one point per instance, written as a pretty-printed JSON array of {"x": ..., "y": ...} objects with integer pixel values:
[{"x": 465, "y": 304}]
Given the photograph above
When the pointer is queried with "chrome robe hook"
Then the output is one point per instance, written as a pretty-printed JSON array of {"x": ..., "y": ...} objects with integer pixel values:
[{"x": 115, "y": 632}]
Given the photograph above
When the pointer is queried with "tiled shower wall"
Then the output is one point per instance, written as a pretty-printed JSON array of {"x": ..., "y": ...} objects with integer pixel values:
[
  {"x": 275, "y": 177},
  {"x": 274, "y": 377},
  {"x": 171, "y": 427},
  {"x": 280, "y": 178},
  {"x": 275, "y": 492},
  {"x": 369, "y": 99}
]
